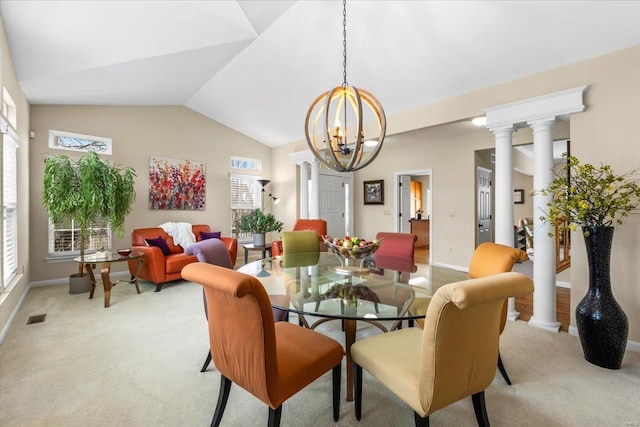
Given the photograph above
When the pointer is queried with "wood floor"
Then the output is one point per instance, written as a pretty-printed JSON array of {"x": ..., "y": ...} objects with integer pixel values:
[
  {"x": 563, "y": 301},
  {"x": 523, "y": 305}
]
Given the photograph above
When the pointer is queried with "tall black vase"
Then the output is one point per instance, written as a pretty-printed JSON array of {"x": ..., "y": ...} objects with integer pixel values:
[{"x": 602, "y": 325}]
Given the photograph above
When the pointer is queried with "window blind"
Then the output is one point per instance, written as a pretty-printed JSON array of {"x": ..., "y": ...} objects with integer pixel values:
[
  {"x": 244, "y": 198},
  {"x": 9, "y": 207}
]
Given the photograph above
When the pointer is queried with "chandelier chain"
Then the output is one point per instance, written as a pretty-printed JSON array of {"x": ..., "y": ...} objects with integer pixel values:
[{"x": 344, "y": 43}]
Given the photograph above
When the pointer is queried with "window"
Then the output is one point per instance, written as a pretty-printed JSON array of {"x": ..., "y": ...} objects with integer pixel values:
[
  {"x": 245, "y": 197},
  {"x": 64, "y": 239},
  {"x": 9, "y": 205},
  {"x": 77, "y": 142},
  {"x": 246, "y": 164}
]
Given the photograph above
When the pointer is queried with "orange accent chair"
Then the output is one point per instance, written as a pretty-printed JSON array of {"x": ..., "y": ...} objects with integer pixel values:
[
  {"x": 488, "y": 259},
  {"x": 317, "y": 225},
  {"x": 452, "y": 357},
  {"x": 272, "y": 361},
  {"x": 160, "y": 269}
]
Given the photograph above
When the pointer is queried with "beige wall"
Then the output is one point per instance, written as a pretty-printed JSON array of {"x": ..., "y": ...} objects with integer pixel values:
[
  {"x": 523, "y": 210},
  {"x": 138, "y": 133},
  {"x": 608, "y": 132},
  {"x": 9, "y": 301}
]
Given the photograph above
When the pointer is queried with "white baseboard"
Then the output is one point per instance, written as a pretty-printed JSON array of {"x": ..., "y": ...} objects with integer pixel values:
[
  {"x": 452, "y": 267},
  {"x": 14, "y": 313},
  {"x": 563, "y": 284}
]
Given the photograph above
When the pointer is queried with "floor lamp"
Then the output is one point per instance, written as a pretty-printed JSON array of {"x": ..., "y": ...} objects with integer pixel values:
[{"x": 275, "y": 200}]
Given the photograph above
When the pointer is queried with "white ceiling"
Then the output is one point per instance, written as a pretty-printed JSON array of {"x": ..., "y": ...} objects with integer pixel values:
[{"x": 256, "y": 66}]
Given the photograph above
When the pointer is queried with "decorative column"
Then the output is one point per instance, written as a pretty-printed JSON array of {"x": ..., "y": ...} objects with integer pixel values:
[
  {"x": 304, "y": 190},
  {"x": 503, "y": 194},
  {"x": 544, "y": 250},
  {"x": 315, "y": 189},
  {"x": 539, "y": 113}
]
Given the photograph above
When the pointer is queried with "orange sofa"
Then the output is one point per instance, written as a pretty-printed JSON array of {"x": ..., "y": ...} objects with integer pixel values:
[{"x": 157, "y": 267}]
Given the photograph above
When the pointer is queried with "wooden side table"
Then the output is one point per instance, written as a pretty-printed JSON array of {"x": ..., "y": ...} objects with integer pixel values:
[{"x": 251, "y": 247}]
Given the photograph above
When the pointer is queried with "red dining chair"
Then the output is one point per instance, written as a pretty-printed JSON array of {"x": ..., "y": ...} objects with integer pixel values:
[{"x": 401, "y": 245}]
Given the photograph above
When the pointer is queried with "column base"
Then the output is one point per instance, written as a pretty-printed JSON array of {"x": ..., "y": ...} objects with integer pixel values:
[{"x": 549, "y": 326}]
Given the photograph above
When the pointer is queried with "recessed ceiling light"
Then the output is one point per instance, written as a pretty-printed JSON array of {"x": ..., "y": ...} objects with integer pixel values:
[{"x": 479, "y": 121}]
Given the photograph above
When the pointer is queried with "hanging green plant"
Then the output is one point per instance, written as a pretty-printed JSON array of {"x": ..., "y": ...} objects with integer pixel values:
[{"x": 87, "y": 191}]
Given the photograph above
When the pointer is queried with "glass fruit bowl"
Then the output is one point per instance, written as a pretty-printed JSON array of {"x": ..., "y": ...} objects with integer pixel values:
[{"x": 351, "y": 251}]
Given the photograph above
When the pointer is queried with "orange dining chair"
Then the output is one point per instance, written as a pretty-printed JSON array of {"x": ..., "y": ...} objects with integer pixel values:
[
  {"x": 215, "y": 251},
  {"x": 452, "y": 357},
  {"x": 272, "y": 361},
  {"x": 212, "y": 251}
]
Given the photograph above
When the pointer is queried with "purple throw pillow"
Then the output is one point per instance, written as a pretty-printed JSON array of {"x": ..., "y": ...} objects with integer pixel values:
[
  {"x": 160, "y": 243},
  {"x": 204, "y": 235}
]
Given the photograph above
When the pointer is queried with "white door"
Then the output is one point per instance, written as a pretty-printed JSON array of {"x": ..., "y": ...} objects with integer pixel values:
[
  {"x": 404, "y": 200},
  {"x": 485, "y": 218},
  {"x": 333, "y": 204}
]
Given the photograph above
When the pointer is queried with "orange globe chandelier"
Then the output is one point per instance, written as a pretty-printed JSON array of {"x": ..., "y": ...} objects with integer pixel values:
[{"x": 338, "y": 119}]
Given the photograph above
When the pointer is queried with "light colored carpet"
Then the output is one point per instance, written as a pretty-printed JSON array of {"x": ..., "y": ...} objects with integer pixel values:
[{"x": 137, "y": 364}]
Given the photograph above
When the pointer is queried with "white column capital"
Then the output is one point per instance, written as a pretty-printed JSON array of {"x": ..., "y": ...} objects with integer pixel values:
[
  {"x": 503, "y": 130},
  {"x": 542, "y": 124}
]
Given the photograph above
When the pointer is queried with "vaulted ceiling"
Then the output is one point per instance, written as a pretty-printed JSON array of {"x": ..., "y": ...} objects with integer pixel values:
[{"x": 256, "y": 66}]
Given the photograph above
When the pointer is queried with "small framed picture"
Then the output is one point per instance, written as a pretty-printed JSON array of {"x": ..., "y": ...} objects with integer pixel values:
[
  {"x": 374, "y": 192},
  {"x": 518, "y": 197}
]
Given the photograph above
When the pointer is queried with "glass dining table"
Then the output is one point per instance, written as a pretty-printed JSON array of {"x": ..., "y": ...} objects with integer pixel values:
[{"x": 321, "y": 287}]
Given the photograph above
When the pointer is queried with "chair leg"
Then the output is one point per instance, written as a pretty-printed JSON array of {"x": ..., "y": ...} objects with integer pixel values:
[
  {"x": 420, "y": 422},
  {"x": 225, "y": 387},
  {"x": 358, "y": 391},
  {"x": 206, "y": 362},
  {"x": 502, "y": 370},
  {"x": 274, "y": 416},
  {"x": 480, "y": 409},
  {"x": 158, "y": 287},
  {"x": 337, "y": 375}
]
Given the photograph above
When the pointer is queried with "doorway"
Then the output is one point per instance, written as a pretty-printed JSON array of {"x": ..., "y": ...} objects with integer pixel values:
[
  {"x": 335, "y": 203},
  {"x": 484, "y": 183},
  {"x": 413, "y": 209}
]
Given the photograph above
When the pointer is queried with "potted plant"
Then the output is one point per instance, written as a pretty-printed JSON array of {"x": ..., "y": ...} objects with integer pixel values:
[
  {"x": 595, "y": 198},
  {"x": 259, "y": 222},
  {"x": 86, "y": 191}
]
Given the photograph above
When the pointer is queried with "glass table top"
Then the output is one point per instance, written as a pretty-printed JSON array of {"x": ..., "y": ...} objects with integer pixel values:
[
  {"x": 107, "y": 257},
  {"x": 323, "y": 284}
]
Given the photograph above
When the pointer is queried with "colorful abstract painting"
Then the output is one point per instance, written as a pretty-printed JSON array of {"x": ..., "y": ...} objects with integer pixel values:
[{"x": 176, "y": 184}]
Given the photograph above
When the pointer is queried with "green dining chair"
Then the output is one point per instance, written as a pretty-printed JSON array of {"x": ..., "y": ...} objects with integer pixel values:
[{"x": 296, "y": 242}]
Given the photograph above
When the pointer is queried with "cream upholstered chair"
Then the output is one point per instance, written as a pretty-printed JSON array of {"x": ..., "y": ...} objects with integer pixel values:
[
  {"x": 488, "y": 259},
  {"x": 452, "y": 357},
  {"x": 272, "y": 361}
]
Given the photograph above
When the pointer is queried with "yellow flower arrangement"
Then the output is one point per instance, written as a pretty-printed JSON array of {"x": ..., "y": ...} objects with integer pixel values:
[{"x": 591, "y": 196}]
